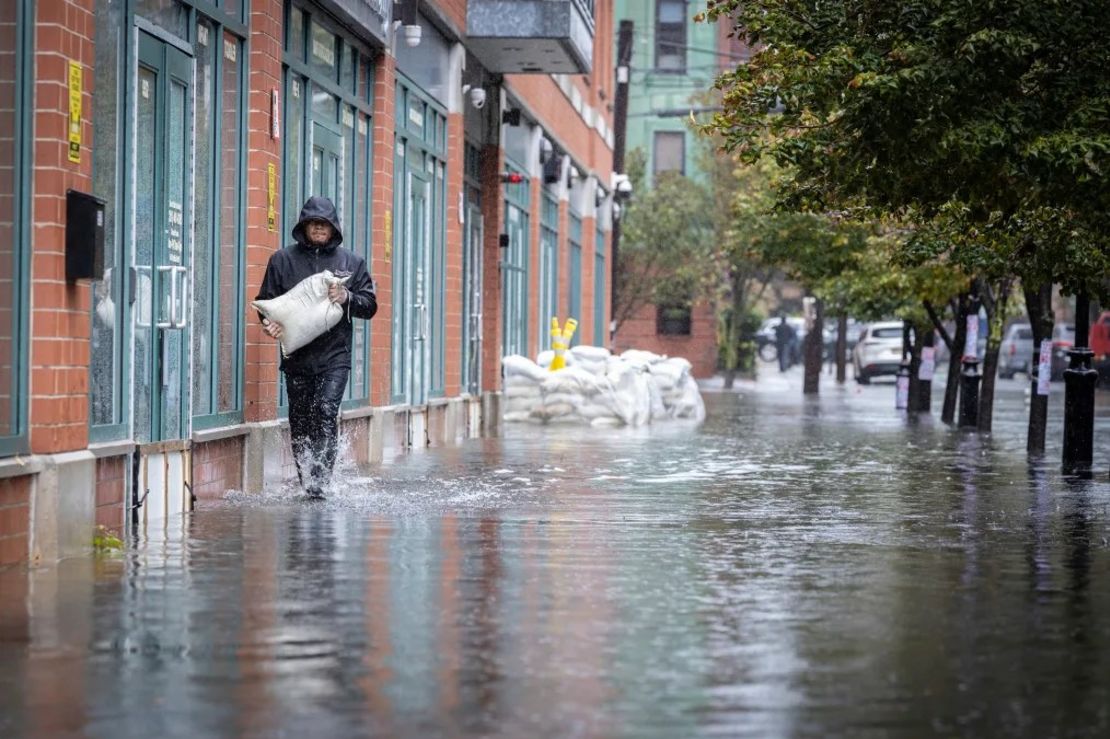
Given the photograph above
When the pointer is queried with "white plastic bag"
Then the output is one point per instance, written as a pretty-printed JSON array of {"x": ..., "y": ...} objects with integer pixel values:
[{"x": 304, "y": 312}]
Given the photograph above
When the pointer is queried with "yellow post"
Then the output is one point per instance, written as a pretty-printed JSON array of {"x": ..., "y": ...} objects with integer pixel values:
[{"x": 560, "y": 340}]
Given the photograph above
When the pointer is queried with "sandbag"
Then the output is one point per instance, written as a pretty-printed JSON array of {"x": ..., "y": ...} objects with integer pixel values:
[
  {"x": 590, "y": 353},
  {"x": 305, "y": 312},
  {"x": 516, "y": 365}
]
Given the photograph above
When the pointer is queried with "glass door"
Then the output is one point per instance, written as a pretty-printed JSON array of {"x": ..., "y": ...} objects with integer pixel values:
[
  {"x": 162, "y": 241},
  {"x": 327, "y": 163},
  {"x": 417, "y": 271},
  {"x": 472, "y": 300}
]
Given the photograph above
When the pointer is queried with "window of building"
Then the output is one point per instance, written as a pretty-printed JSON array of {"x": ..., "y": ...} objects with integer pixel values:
[
  {"x": 327, "y": 145},
  {"x": 219, "y": 245},
  {"x": 549, "y": 266},
  {"x": 15, "y": 136},
  {"x": 574, "y": 283},
  {"x": 672, "y": 320},
  {"x": 670, "y": 35},
  {"x": 669, "y": 152}
]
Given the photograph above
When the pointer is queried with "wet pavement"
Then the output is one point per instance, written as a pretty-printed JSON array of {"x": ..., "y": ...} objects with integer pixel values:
[{"x": 790, "y": 568}]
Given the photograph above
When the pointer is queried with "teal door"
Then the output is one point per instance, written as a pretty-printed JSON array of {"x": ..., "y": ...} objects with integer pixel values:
[
  {"x": 514, "y": 283},
  {"x": 472, "y": 300},
  {"x": 327, "y": 163},
  {"x": 162, "y": 242},
  {"x": 417, "y": 270}
]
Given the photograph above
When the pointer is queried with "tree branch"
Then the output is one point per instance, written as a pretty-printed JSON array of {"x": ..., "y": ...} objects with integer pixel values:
[{"x": 935, "y": 318}]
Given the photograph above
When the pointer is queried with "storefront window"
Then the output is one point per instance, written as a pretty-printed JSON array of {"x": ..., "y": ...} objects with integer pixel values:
[
  {"x": 322, "y": 52},
  {"x": 206, "y": 103},
  {"x": 327, "y": 139},
  {"x": 169, "y": 14},
  {"x": 218, "y": 251},
  {"x": 13, "y": 138},
  {"x": 231, "y": 187}
]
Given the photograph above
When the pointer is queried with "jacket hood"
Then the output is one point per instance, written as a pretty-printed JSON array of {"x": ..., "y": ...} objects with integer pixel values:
[{"x": 318, "y": 207}]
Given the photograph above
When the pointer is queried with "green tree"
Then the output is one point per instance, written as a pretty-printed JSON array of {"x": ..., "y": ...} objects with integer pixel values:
[
  {"x": 667, "y": 242},
  {"x": 984, "y": 123}
]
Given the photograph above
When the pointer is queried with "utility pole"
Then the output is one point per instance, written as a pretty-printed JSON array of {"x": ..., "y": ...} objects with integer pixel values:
[{"x": 620, "y": 126}]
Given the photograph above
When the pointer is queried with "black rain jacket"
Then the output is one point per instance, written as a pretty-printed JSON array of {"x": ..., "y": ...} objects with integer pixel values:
[{"x": 299, "y": 260}]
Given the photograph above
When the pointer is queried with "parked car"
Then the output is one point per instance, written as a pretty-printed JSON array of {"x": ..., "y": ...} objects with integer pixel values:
[
  {"x": 878, "y": 351},
  {"x": 1016, "y": 352},
  {"x": 1063, "y": 338}
]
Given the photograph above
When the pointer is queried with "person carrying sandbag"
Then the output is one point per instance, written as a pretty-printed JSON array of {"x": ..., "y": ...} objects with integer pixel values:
[{"x": 316, "y": 373}]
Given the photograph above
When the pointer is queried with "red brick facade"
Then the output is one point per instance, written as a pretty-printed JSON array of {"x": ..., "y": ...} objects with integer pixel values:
[
  {"x": 572, "y": 111},
  {"x": 15, "y": 516},
  {"x": 700, "y": 346}
]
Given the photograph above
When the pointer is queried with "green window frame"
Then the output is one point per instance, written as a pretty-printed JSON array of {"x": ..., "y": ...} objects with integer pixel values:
[
  {"x": 549, "y": 267},
  {"x": 341, "y": 67},
  {"x": 218, "y": 384},
  {"x": 601, "y": 335},
  {"x": 574, "y": 281},
  {"x": 515, "y": 263},
  {"x": 14, "y": 437}
]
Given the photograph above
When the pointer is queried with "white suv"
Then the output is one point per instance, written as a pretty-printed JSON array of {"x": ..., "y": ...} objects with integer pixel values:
[{"x": 878, "y": 351}]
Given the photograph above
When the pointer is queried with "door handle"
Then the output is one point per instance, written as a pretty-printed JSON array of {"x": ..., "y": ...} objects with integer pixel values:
[
  {"x": 166, "y": 269},
  {"x": 418, "y": 335},
  {"x": 182, "y": 302},
  {"x": 424, "y": 325}
]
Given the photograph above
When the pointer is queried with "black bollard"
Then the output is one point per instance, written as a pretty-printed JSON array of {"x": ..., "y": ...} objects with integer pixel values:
[
  {"x": 969, "y": 393},
  {"x": 1079, "y": 397}
]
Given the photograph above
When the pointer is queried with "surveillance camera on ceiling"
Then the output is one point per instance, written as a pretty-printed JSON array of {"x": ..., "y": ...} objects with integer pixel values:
[
  {"x": 478, "y": 97},
  {"x": 412, "y": 35},
  {"x": 622, "y": 184}
]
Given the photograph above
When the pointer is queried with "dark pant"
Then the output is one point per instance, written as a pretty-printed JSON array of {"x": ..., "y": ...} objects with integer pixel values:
[{"x": 314, "y": 423}]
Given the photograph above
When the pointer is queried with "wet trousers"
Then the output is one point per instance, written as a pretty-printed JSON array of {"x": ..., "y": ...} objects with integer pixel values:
[{"x": 314, "y": 424}]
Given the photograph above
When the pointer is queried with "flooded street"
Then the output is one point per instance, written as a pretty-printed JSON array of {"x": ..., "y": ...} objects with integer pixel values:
[{"x": 790, "y": 568}]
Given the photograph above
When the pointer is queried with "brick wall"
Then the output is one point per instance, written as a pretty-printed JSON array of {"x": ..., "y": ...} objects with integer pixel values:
[
  {"x": 493, "y": 209},
  {"x": 700, "y": 347},
  {"x": 381, "y": 266},
  {"x": 217, "y": 467},
  {"x": 261, "y": 380},
  {"x": 111, "y": 491},
  {"x": 15, "y": 519},
  {"x": 454, "y": 267},
  {"x": 586, "y": 320},
  {"x": 60, "y": 311}
]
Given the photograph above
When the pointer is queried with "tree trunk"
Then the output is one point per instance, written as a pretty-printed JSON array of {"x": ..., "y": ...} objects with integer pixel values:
[
  {"x": 1039, "y": 304},
  {"x": 841, "y": 348},
  {"x": 996, "y": 317},
  {"x": 955, "y": 346},
  {"x": 814, "y": 351}
]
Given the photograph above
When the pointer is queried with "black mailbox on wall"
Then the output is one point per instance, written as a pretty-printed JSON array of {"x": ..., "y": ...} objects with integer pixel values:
[{"x": 84, "y": 236}]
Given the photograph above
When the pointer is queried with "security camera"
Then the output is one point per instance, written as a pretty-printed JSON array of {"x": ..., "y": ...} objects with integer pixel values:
[
  {"x": 478, "y": 97},
  {"x": 412, "y": 35},
  {"x": 622, "y": 184}
]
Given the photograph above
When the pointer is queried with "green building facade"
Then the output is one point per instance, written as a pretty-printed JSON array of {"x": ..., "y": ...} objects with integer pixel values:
[{"x": 674, "y": 62}]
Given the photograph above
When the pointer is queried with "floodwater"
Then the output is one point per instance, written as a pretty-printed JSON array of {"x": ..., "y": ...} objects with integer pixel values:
[{"x": 791, "y": 568}]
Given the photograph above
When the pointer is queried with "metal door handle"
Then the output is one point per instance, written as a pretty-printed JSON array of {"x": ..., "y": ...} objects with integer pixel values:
[
  {"x": 424, "y": 325},
  {"x": 171, "y": 271},
  {"x": 182, "y": 320}
]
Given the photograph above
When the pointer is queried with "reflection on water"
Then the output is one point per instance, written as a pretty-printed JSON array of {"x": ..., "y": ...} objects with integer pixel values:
[{"x": 792, "y": 568}]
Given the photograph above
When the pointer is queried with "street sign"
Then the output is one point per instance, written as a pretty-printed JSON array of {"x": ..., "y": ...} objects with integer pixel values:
[{"x": 1044, "y": 367}]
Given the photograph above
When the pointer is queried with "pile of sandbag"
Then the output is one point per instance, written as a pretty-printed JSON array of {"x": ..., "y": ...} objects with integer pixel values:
[{"x": 599, "y": 389}]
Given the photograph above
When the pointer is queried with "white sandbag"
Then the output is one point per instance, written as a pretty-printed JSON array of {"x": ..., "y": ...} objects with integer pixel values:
[
  {"x": 602, "y": 421},
  {"x": 691, "y": 407},
  {"x": 531, "y": 391},
  {"x": 517, "y": 416},
  {"x": 640, "y": 358},
  {"x": 590, "y": 353},
  {"x": 570, "y": 380},
  {"x": 659, "y": 410},
  {"x": 516, "y": 365},
  {"x": 553, "y": 410},
  {"x": 305, "y": 312}
]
